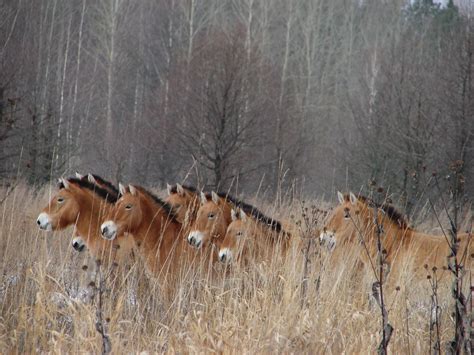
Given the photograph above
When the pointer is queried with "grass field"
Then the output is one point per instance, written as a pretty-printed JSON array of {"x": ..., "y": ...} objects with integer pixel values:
[{"x": 45, "y": 301}]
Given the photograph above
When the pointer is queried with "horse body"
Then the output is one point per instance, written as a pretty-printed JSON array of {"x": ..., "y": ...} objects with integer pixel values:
[
  {"x": 353, "y": 223},
  {"x": 151, "y": 222},
  {"x": 83, "y": 204}
]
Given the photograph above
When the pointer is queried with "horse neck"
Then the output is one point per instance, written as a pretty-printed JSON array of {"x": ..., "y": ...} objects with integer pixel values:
[
  {"x": 92, "y": 209},
  {"x": 268, "y": 238},
  {"x": 193, "y": 208},
  {"x": 156, "y": 227},
  {"x": 258, "y": 243}
]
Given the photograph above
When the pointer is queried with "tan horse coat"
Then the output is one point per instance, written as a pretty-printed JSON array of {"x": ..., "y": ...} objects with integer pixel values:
[{"x": 352, "y": 224}]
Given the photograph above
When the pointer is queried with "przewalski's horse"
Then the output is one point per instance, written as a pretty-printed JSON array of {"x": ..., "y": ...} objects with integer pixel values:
[
  {"x": 185, "y": 201},
  {"x": 78, "y": 242},
  {"x": 252, "y": 237},
  {"x": 212, "y": 219},
  {"x": 83, "y": 204},
  {"x": 155, "y": 230},
  {"x": 353, "y": 219}
]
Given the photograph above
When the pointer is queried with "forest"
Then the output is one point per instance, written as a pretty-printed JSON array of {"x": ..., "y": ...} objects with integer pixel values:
[{"x": 315, "y": 95}]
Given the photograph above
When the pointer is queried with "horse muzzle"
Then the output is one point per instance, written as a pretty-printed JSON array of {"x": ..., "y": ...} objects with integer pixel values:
[
  {"x": 108, "y": 230},
  {"x": 196, "y": 238},
  {"x": 78, "y": 244},
  {"x": 328, "y": 240},
  {"x": 44, "y": 222},
  {"x": 225, "y": 255}
]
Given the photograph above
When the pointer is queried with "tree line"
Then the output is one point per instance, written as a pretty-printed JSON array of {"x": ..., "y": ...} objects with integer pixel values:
[{"x": 268, "y": 94}]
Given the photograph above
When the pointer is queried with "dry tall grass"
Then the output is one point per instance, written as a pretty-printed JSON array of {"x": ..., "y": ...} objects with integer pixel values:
[{"x": 45, "y": 301}]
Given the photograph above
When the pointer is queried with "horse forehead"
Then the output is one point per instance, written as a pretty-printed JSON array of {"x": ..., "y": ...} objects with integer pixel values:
[
  {"x": 209, "y": 206},
  {"x": 129, "y": 198}
]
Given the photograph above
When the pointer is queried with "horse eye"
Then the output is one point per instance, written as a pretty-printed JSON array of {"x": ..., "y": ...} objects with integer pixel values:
[
  {"x": 128, "y": 207},
  {"x": 346, "y": 213},
  {"x": 211, "y": 215},
  {"x": 177, "y": 206},
  {"x": 60, "y": 199}
]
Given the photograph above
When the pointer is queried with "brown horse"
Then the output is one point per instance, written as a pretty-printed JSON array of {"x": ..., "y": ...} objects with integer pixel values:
[
  {"x": 78, "y": 242},
  {"x": 83, "y": 204},
  {"x": 212, "y": 220},
  {"x": 153, "y": 225},
  {"x": 352, "y": 222},
  {"x": 185, "y": 201},
  {"x": 252, "y": 237}
]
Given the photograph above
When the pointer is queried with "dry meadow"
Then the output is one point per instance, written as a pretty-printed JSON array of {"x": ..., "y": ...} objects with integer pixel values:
[{"x": 49, "y": 300}]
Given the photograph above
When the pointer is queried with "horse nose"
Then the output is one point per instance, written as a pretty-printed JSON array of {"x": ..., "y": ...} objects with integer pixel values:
[
  {"x": 192, "y": 240},
  {"x": 225, "y": 255},
  {"x": 77, "y": 246},
  {"x": 38, "y": 222},
  {"x": 105, "y": 230}
]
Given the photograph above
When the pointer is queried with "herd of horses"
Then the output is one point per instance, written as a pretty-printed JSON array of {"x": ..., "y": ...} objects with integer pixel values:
[{"x": 191, "y": 227}]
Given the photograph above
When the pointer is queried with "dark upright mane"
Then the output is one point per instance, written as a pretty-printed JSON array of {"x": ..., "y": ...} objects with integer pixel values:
[
  {"x": 389, "y": 210},
  {"x": 106, "y": 183},
  {"x": 174, "y": 188},
  {"x": 253, "y": 211},
  {"x": 169, "y": 210},
  {"x": 99, "y": 191},
  {"x": 395, "y": 215}
]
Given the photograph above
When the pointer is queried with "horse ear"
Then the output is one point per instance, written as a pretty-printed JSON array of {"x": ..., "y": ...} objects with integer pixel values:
[
  {"x": 168, "y": 188},
  {"x": 353, "y": 198},
  {"x": 122, "y": 189},
  {"x": 233, "y": 215},
  {"x": 203, "y": 198},
  {"x": 91, "y": 179},
  {"x": 133, "y": 190},
  {"x": 340, "y": 197},
  {"x": 215, "y": 198},
  {"x": 180, "y": 189},
  {"x": 65, "y": 183},
  {"x": 79, "y": 176},
  {"x": 242, "y": 214}
]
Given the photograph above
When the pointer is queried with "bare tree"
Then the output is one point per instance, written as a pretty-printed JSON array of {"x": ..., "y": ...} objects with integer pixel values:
[{"x": 222, "y": 108}]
